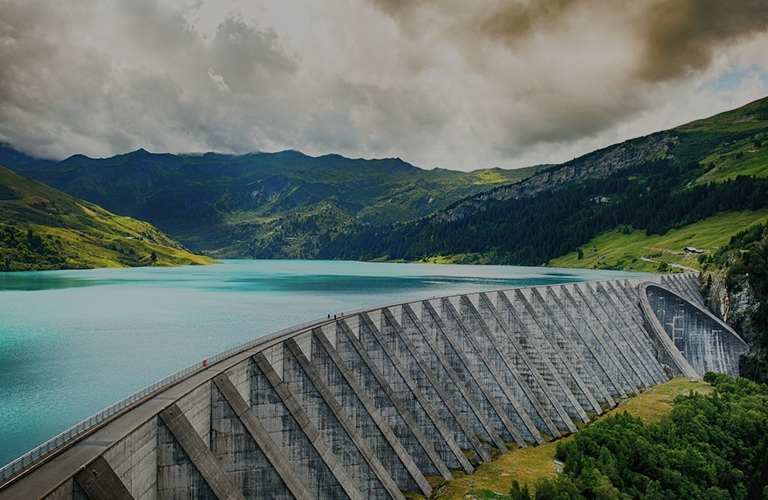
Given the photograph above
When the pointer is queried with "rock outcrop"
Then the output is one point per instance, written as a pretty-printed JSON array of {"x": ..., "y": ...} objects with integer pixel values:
[{"x": 599, "y": 163}]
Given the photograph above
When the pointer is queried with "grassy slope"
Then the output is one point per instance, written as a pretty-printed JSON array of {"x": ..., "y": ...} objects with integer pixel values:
[
  {"x": 295, "y": 234},
  {"x": 76, "y": 234},
  {"x": 753, "y": 162},
  {"x": 494, "y": 479},
  {"x": 617, "y": 250},
  {"x": 727, "y": 145}
]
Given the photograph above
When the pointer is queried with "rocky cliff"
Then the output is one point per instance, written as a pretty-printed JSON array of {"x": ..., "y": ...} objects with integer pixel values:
[
  {"x": 599, "y": 163},
  {"x": 731, "y": 299}
]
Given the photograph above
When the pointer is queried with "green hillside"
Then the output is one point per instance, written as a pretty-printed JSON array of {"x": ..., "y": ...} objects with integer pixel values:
[
  {"x": 263, "y": 205},
  {"x": 618, "y": 205},
  {"x": 637, "y": 251},
  {"x": 41, "y": 228}
]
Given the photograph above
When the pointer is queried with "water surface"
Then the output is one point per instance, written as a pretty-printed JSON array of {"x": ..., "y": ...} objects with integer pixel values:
[{"x": 74, "y": 342}]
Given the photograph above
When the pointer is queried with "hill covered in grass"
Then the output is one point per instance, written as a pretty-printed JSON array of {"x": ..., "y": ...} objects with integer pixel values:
[{"x": 42, "y": 228}]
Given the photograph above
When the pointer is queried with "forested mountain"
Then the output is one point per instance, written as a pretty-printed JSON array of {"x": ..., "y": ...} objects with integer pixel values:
[
  {"x": 263, "y": 205},
  {"x": 653, "y": 184},
  {"x": 42, "y": 228}
]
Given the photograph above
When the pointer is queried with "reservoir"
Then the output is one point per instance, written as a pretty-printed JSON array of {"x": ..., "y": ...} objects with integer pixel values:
[{"x": 74, "y": 342}]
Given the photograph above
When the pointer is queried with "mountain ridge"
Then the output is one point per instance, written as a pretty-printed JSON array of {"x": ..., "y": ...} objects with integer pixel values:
[{"x": 598, "y": 163}]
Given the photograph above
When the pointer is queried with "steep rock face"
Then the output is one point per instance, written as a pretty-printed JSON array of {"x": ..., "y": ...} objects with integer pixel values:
[
  {"x": 600, "y": 163},
  {"x": 732, "y": 300}
]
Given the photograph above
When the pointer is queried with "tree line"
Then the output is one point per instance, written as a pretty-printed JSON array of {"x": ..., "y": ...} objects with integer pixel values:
[{"x": 23, "y": 249}]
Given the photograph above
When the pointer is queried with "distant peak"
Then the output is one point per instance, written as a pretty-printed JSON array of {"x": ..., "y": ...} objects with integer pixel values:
[
  {"x": 289, "y": 152},
  {"x": 76, "y": 157},
  {"x": 332, "y": 156}
]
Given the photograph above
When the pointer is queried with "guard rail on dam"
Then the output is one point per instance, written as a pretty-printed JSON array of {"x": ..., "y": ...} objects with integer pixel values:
[{"x": 386, "y": 400}]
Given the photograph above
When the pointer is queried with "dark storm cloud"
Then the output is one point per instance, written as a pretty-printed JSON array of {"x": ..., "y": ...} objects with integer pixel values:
[
  {"x": 152, "y": 84},
  {"x": 680, "y": 36},
  {"x": 674, "y": 37}
]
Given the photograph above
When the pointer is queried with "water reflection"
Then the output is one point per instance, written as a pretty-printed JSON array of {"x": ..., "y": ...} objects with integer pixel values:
[{"x": 44, "y": 280}]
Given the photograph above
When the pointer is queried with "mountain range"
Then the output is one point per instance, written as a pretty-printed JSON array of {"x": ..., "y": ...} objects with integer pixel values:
[{"x": 260, "y": 205}]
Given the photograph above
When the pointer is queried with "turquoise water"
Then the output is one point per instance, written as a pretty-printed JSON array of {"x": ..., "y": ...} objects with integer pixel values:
[{"x": 74, "y": 342}]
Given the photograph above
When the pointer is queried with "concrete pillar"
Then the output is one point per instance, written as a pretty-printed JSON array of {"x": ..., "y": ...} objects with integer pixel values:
[
  {"x": 389, "y": 363},
  {"x": 616, "y": 315},
  {"x": 588, "y": 326},
  {"x": 188, "y": 468},
  {"x": 256, "y": 464},
  {"x": 687, "y": 284},
  {"x": 632, "y": 298},
  {"x": 559, "y": 360},
  {"x": 365, "y": 417},
  {"x": 639, "y": 334},
  {"x": 289, "y": 426},
  {"x": 691, "y": 282},
  {"x": 673, "y": 364},
  {"x": 450, "y": 397},
  {"x": 508, "y": 342},
  {"x": 177, "y": 476},
  {"x": 100, "y": 482},
  {"x": 554, "y": 380},
  {"x": 514, "y": 381},
  {"x": 392, "y": 409},
  {"x": 412, "y": 406},
  {"x": 427, "y": 380},
  {"x": 464, "y": 330},
  {"x": 605, "y": 328},
  {"x": 335, "y": 426},
  {"x": 485, "y": 408},
  {"x": 134, "y": 460},
  {"x": 590, "y": 349},
  {"x": 673, "y": 283},
  {"x": 613, "y": 323},
  {"x": 553, "y": 324},
  {"x": 240, "y": 376}
]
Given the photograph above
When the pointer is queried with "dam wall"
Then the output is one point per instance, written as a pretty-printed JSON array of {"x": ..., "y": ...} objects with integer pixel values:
[{"x": 392, "y": 399}]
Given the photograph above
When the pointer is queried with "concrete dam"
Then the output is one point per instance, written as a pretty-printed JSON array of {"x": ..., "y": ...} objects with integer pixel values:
[{"x": 388, "y": 400}]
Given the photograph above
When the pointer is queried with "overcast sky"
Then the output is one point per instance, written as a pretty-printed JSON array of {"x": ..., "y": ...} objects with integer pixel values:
[{"x": 439, "y": 83}]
